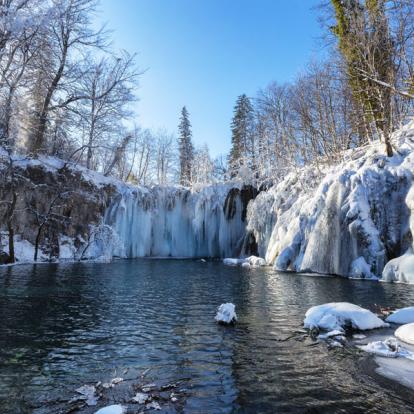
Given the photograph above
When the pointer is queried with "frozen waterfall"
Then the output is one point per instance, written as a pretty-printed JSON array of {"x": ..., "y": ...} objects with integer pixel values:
[{"x": 177, "y": 222}]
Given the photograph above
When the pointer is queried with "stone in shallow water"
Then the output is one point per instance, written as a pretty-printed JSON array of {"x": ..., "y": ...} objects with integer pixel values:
[{"x": 226, "y": 313}]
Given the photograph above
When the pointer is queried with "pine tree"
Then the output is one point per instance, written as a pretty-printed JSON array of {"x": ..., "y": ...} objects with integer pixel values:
[
  {"x": 186, "y": 148},
  {"x": 242, "y": 150}
]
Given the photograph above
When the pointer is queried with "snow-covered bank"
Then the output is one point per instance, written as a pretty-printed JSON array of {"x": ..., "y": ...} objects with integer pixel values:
[{"x": 348, "y": 219}]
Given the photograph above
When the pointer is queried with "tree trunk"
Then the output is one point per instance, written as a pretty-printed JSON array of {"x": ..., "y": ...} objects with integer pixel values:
[{"x": 10, "y": 228}]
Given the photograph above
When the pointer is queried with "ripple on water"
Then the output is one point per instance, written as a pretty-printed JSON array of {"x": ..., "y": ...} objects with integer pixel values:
[{"x": 66, "y": 325}]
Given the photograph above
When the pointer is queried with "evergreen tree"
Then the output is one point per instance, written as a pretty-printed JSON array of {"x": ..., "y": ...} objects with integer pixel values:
[
  {"x": 186, "y": 148},
  {"x": 242, "y": 139}
]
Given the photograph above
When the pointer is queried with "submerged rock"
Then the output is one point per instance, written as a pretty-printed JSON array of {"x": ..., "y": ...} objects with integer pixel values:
[{"x": 112, "y": 409}]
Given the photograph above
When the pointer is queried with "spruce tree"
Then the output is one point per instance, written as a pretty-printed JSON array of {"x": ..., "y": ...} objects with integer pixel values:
[
  {"x": 186, "y": 148},
  {"x": 242, "y": 135}
]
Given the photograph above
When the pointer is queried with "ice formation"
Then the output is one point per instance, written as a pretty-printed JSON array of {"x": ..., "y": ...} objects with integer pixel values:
[
  {"x": 405, "y": 333},
  {"x": 226, "y": 313},
  {"x": 389, "y": 348},
  {"x": 402, "y": 316},
  {"x": 336, "y": 316},
  {"x": 176, "y": 222},
  {"x": 349, "y": 219}
]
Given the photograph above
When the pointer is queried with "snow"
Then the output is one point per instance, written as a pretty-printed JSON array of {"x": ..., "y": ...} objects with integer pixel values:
[
  {"x": 331, "y": 334},
  {"x": 405, "y": 333},
  {"x": 252, "y": 261},
  {"x": 24, "y": 250},
  {"x": 402, "y": 316},
  {"x": 140, "y": 398},
  {"x": 360, "y": 269},
  {"x": 335, "y": 316},
  {"x": 226, "y": 313},
  {"x": 256, "y": 261},
  {"x": 112, "y": 409},
  {"x": 388, "y": 348},
  {"x": 88, "y": 391}
]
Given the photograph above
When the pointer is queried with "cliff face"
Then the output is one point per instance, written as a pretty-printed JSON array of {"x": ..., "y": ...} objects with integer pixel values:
[
  {"x": 56, "y": 207},
  {"x": 73, "y": 213}
]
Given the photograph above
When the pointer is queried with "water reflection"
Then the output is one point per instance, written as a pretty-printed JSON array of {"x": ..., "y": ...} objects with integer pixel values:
[{"x": 68, "y": 324}]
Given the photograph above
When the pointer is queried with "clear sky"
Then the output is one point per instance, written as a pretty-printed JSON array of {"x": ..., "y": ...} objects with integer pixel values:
[{"x": 204, "y": 53}]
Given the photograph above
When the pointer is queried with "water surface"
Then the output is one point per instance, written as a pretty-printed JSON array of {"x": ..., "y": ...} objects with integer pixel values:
[{"x": 65, "y": 325}]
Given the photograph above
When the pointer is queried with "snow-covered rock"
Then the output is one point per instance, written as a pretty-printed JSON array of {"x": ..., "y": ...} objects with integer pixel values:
[
  {"x": 256, "y": 261},
  {"x": 112, "y": 409},
  {"x": 402, "y": 316},
  {"x": 405, "y": 333},
  {"x": 400, "y": 269},
  {"x": 226, "y": 313},
  {"x": 252, "y": 261},
  {"x": 335, "y": 316}
]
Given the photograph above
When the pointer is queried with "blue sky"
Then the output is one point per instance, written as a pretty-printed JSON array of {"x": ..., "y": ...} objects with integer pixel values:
[{"x": 204, "y": 53}]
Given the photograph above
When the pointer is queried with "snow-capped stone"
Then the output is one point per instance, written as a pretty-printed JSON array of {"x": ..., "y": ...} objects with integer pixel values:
[
  {"x": 405, "y": 333},
  {"x": 256, "y": 261},
  {"x": 246, "y": 264},
  {"x": 335, "y": 316},
  {"x": 112, "y": 409},
  {"x": 402, "y": 316},
  {"x": 226, "y": 313}
]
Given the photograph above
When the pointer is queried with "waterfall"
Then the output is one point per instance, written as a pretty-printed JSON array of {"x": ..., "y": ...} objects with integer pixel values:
[{"x": 177, "y": 222}]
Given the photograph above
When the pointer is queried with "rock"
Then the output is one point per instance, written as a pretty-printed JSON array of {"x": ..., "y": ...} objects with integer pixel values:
[{"x": 4, "y": 258}]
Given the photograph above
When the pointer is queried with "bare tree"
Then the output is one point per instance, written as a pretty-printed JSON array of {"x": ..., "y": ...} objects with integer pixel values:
[{"x": 67, "y": 35}]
